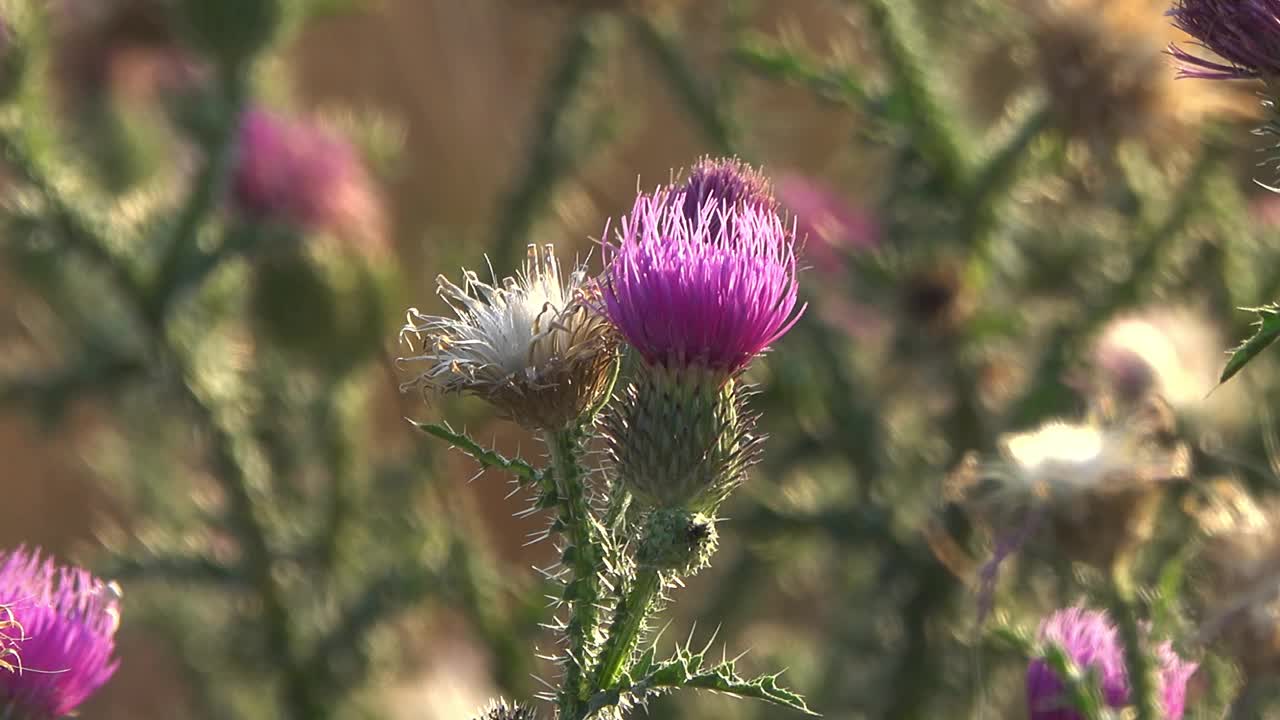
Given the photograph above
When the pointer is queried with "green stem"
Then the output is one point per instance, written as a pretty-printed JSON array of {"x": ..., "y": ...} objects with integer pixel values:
[
  {"x": 1141, "y": 678},
  {"x": 698, "y": 100},
  {"x": 628, "y": 623},
  {"x": 897, "y": 30},
  {"x": 549, "y": 158},
  {"x": 208, "y": 190},
  {"x": 281, "y": 639},
  {"x": 583, "y": 554}
]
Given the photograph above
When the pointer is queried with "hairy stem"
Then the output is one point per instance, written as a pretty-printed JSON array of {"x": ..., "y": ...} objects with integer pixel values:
[
  {"x": 1141, "y": 678},
  {"x": 583, "y": 554},
  {"x": 628, "y": 623}
]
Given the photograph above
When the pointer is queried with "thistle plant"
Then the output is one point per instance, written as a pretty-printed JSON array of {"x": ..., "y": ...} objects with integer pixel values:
[{"x": 699, "y": 280}]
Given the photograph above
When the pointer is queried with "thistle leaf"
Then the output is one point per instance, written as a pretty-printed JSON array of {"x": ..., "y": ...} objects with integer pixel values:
[
  {"x": 1268, "y": 325},
  {"x": 685, "y": 670},
  {"x": 487, "y": 457}
]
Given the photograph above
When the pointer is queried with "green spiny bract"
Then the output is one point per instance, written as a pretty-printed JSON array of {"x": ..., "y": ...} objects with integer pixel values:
[
  {"x": 681, "y": 439},
  {"x": 679, "y": 540},
  {"x": 501, "y": 710}
]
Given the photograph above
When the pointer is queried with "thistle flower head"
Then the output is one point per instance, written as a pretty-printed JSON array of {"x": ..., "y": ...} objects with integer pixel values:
[
  {"x": 65, "y": 635},
  {"x": 1092, "y": 642},
  {"x": 302, "y": 175},
  {"x": 532, "y": 345},
  {"x": 710, "y": 292},
  {"x": 1097, "y": 482},
  {"x": 502, "y": 710},
  {"x": 1243, "y": 33}
]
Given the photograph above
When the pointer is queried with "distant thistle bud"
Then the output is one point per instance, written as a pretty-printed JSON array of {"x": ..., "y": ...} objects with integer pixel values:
[
  {"x": 303, "y": 175},
  {"x": 709, "y": 292},
  {"x": 830, "y": 226},
  {"x": 502, "y": 710},
  {"x": 532, "y": 345},
  {"x": 1092, "y": 642},
  {"x": 64, "y": 637},
  {"x": 678, "y": 540},
  {"x": 1244, "y": 33},
  {"x": 233, "y": 30}
]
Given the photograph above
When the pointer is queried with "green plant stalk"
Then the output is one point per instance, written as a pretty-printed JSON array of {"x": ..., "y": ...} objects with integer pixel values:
[
  {"x": 628, "y": 623},
  {"x": 1142, "y": 682},
  {"x": 548, "y": 158},
  {"x": 583, "y": 554},
  {"x": 208, "y": 190},
  {"x": 698, "y": 100},
  {"x": 299, "y": 699},
  {"x": 896, "y": 30}
]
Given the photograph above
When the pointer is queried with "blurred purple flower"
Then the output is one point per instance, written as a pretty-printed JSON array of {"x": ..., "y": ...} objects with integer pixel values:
[
  {"x": 828, "y": 224},
  {"x": 65, "y": 637},
  {"x": 696, "y": 292},
  {"x": 1092, "y": 642},
  {"x": 1245, "y": 33},
  {"x": 303, "y": 175}
]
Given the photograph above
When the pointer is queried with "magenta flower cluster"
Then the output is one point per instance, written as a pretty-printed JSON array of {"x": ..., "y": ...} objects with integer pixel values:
[
  {"x": 1245, "y": 33},
  {"x": 65, "y": 636},
  {"x": 298, "y": 173},
  {"x": 1092, "y": 642},
  {"x": 710, "y": 289}
]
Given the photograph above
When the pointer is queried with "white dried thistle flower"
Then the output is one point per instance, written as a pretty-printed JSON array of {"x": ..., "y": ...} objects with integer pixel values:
[
  {"x": 533, "y": 345},
  {"x": 1095, "y": 482}
]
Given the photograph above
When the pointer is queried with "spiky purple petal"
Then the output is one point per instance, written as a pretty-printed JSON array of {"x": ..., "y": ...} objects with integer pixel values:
[
  {"x": 1244, "y": 33},
  {"x": 712, "y": 291},
  {"x": 65, "y": 638}
]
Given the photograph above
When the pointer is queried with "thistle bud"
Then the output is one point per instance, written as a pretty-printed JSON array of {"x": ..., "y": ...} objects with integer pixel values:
[
  {"x": 678, "y": 540},
  {"x": 233, "y": 30},
  {"x": 680, "y": 442}
]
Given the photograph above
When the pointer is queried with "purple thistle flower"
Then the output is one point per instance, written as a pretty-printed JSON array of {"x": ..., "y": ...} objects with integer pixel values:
[
  {"x": 1092, "y": 642},
  {"x": 712, "y": 291},
  {"x": 65, "y": 636},
  {"x": 829, "y": 225},
  {"x": 302, "y": 175},
  {"x": 1245, "y": 33}
]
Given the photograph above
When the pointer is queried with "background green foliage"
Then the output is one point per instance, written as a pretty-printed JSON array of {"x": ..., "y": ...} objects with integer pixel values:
[{"x": 290, "y": 547}]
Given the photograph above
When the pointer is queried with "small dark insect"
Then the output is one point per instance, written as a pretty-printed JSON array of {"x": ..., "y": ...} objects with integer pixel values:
[{"x": 698, "y": 531}]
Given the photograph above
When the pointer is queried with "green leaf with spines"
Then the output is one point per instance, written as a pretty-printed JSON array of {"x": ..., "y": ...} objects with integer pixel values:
[
  {"x": 685, "y": 669},
  {"x": 1268, "y": 325},
  {"x": 487, "y": 457}
]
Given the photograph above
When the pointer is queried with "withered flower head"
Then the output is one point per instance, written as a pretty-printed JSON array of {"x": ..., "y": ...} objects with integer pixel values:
[
  {"x": 1241, "y": 560},
  {"x": 1104, "y": 67},
  {"x": 532, "y": 345},
  {"x": 1096, "y": 483}
]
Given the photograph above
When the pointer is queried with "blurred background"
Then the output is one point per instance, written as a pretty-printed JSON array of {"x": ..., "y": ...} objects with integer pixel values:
[{"x": 1011, "y": 206}]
